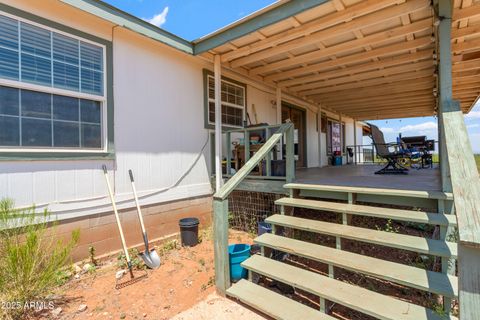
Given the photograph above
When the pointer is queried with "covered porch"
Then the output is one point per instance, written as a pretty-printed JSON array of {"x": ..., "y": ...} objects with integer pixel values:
[
  {"x": 357, "y": 60},
  {"x": 359, "y": 176}
]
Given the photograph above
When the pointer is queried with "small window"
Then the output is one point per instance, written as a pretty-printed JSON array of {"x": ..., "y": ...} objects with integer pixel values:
[
  {"x": 233, "y": 103},
  {"x": 52, "y": 88}
]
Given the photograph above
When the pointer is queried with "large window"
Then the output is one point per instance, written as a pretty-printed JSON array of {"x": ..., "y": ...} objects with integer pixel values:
[
  {"x": 233, "y": 103},
  {"x": 52, "y": 88}
]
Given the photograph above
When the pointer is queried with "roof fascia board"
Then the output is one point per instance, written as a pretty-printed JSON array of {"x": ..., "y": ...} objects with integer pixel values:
[
  {"x": 256, "y": 22},
  {"x": 128, "y": 21}
]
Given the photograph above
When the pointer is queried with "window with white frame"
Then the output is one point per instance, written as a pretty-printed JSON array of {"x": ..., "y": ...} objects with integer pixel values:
[
  {"x": 233, "y": 103},
  {"x": 52, "y": 88}
]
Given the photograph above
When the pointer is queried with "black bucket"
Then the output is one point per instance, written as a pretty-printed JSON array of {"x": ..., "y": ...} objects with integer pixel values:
[{"x": 189, "y": 231}]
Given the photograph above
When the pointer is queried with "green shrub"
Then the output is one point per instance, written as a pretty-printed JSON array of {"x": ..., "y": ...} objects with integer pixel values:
[
  {"x": 137, "y": 262},
  {"x": 32, "y": 261}
]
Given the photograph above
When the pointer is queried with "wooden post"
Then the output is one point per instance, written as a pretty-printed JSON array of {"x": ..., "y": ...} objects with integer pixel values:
[
  {"x": 354, "y": 141},
  {"x": 220, "y": 229},
  {"x": 319, "y": 124},
  {"x": 229, "y": 153},
  {"x": 268, "y": 158},
  {"x": 278, "y": 97},
  {"x": 218, "y": 122},
  {"x": 462, "y": 176},
  {"x": 290, "y": 161}
]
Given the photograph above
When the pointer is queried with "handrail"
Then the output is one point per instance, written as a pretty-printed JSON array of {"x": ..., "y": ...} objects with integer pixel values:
[
  {"x": 232, "y": 183},
  {"x": 464, "y": 176}
]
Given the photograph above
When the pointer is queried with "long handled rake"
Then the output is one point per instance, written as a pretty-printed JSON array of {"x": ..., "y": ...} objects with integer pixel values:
[{"x": 132, "y": 279}]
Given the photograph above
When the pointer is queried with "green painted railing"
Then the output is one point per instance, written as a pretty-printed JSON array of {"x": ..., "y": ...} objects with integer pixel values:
[{"x": 220, "y": 198}]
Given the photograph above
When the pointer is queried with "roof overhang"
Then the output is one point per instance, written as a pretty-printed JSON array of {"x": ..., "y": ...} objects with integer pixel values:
[
  {"x": 371, "y": 59},
  {"x": 367, "y": 59}
]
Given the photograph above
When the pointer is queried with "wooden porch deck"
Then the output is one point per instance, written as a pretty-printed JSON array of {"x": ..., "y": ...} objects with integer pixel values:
[{"x": 364, "y": 176}]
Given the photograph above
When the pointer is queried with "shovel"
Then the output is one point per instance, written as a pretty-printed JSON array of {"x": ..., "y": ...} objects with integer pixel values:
[
  {"x": 133, "y": 279},
  {"x": 150, "y": 257}
]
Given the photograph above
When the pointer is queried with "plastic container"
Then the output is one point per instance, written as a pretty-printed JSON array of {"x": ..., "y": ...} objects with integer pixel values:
[
  {"x": 337, "y": 160},
  {"x": 237, "y": 253},
  {"x": 264, "y": 227},
  {"x": 189, "y": 231}
]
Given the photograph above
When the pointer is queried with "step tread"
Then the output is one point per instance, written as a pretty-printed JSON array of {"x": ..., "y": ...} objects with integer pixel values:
[
  {"x": 389, "y": 239},
  {"x": 363, "y": 300},
  {"x": 380, "y": 191},
  {"x": 430, "y": 281},
  {"x": 388, "y": 213},
  {"x": 273, "y": 304}
]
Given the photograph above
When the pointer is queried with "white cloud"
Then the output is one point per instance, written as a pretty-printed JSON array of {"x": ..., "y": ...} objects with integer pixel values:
[
  {"x": 473, "y": 115},
  {"x": 159, "y": 19},
  {"x": 474, "y": 125},
  {"x": 387, "y": 130},
  {"x": 421, "y": 127}
]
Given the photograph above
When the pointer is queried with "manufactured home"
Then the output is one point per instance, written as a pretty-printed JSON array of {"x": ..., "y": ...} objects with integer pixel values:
[{"x": 275, "y": 103}]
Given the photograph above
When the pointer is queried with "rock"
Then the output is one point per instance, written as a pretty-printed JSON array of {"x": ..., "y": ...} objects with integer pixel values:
[
  {"x": 82, "y": 307},
  {"x": 144, "y": 315},
  {"x": 77, "y": 276},
  {"x": 105, "y": 313},
  {"x": 119, "y": 274},
  {"x": 56, "y": 312},
  {"x": 76, "y": 268},
  {"x": 123, "y": 315},
  {"x": 87, "y": 267}
]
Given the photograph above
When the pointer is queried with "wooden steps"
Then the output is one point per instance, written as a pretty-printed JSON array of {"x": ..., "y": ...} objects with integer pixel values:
[
  {"x": 377, "y": 191},
  {"x": 273, "y": 304},
  {"x": 370, "y": 211},
  {"x": 388, "y": 239},
  {"x": 363, "y": 300},
  {"x": 429, "y": 281}
]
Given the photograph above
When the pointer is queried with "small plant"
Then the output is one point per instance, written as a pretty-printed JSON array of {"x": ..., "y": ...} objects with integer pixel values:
[
  {"x": 32, "y": 261},
  {"x": 169, "y": 246},
  {"x": 137, "y": 262},
  {"x": 389, "y": 227},
  {"x": 211, "y": 282},
  {"x": 202, "y": 262},
  {"x": 91, "y": 252}
]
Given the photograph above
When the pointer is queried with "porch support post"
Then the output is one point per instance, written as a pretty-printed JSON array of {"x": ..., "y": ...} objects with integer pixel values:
[
  {"x": 319, "y": 124},
  {"x": 445, "y": 84},
  {"x": 445, "y": 99},
  {"x": 278, "y": 97},
  {"x": 218, "y": 122},
  {"x": 354, "y": 141}
]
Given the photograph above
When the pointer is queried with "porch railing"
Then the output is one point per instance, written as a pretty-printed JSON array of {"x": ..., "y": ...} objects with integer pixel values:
[
  {"x": 265, "y": 169},
  {"x": 220, "y": 198},
  {"x": 466, "y": 194}
]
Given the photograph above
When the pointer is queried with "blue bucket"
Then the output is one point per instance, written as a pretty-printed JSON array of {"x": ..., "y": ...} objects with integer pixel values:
[
  {"x": 264, "y": 227},
  {"x": 237, "y": 253}
]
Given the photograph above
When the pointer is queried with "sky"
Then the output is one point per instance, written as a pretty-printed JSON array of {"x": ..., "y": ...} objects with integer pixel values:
[{"x": 192, "y": 19}]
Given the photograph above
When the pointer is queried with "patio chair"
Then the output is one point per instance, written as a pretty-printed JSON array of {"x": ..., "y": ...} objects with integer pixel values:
[{"x": 383, "y": 150}]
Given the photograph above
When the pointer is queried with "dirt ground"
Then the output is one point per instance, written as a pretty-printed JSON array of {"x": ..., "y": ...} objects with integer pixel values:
[{"x": 185, "y": 278}]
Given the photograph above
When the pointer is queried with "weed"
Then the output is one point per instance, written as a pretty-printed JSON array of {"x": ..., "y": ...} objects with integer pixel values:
[
  {"x": 91, "y": 252},
  {"x": 202, "y": 262},
  {"x": 137, "y": 262},
  {"x": 32, "y": 262},
  {"x": 389, "y": 227},
  {"x": 169, "y": 246},
  {"x": 211, "y": 282}
]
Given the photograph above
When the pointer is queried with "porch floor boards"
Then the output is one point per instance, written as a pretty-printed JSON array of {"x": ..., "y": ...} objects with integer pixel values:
[{"x": 364, "y": 176}]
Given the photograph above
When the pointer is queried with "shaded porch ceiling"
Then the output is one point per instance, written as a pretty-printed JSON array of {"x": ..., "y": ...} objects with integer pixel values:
[{"x": 370, "y": 59}]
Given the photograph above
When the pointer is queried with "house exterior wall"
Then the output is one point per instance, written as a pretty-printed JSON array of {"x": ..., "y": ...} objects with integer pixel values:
[{"x": 159, "y": 130}]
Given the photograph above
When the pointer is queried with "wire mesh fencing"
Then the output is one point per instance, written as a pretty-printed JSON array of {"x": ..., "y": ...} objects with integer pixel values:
[{"x": 247, "y": 208}]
